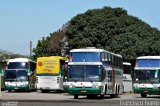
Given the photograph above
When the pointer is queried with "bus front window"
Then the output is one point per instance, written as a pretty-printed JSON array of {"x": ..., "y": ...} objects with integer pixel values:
[
  {"x": 147, "y": 76},
  {"x": 17, "y": 65},
  {"x": 76, "y": 73},
  {"x": 85, "y": 56},
  {"x": 10, "y": 75},
  {"x": 92, "y": 73},
  {"x": 22, "y": 75},
  {"x": 84, "y": 73}
]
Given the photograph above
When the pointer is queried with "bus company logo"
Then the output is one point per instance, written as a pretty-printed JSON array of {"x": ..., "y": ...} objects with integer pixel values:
[
  {"x": 40, "y": 63},
  {"x": 9, "y": 103}
]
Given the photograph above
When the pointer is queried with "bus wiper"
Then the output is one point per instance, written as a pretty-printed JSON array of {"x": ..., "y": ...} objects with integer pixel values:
[{"x": 11, "y": 80}]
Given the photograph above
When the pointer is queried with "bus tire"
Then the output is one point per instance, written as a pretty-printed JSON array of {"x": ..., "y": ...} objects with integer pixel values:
[
  {"x": 112, "y": 95},
  {"x": 89, "y": 96},
  {"x": 75, "y": 96},
  {"x": 45, "y": 91},
  {"x": 9, "y": 90},
  {"x": 116, "y": 93},
  {"x": 102, "y": 96},
  {"x": 144, "y": 95}
]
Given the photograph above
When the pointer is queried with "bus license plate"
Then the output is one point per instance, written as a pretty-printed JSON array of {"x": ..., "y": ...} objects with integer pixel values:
[
  {"x": 83, "y": 91},
  {"x": 145, "y": 91}
]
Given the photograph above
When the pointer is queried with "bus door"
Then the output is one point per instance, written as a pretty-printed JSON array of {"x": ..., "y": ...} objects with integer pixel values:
[{"x": 109, "y": 80}]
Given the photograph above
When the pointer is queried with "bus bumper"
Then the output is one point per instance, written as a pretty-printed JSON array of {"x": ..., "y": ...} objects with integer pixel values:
[
  {"x": 84, "y": 91},
  {"x": 65, "y": 89},
  {"x": 151, "y": 91},
  {"x": 24, "y": 87}
]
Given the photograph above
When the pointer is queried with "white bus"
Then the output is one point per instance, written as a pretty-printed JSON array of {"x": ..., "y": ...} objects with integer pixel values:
[
  {"x": 94, "y": 71},
  {"x": 20, "y": 74},
  {"x": 147, "y": 75},
  {"x": 50, "y": 73},
  {"x": 127, "y": 79}
]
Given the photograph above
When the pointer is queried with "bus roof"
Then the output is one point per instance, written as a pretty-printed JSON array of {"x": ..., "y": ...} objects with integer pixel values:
[
  {"x": 84, "y": 63},
  {"x": 56, "y": 57},
  {"x": 93, "y": 49},
  {"x": 87, "y": 50},
  {"x": 19, "y": 60},
  {"x": 148, "y": 57},
  {"x": 126, "y": 63},
  {"x": 146, "y": 68}
]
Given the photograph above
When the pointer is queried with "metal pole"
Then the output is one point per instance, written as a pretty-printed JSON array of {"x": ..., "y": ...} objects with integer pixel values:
[{"x": 30, "y": 47}]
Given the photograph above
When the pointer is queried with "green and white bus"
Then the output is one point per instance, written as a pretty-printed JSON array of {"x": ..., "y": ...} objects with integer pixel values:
[
  {"x": 147, "y": 75},
  {"x": 20, "y": 74},
  {"x": 94, "y": 71}
]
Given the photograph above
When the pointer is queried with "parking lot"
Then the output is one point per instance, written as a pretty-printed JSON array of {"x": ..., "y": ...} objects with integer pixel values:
[
  {"x": 5, "y": 95},
  {"x": 61, "y": 99}
]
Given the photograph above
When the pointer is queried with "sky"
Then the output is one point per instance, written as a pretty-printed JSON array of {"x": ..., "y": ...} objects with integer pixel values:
[{"x": 22, "y": 21}]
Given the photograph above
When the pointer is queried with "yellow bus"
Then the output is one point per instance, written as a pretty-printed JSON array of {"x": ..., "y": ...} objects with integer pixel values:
[{"x": 50, "y": 73}]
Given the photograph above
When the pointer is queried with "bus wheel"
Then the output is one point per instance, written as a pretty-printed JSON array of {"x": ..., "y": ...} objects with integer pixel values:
[
  {"x": 143, "y": 95},
  {"x": 113, "y": 95},
  {"x": 28, "y": 90},
  {"x": 45, "y": 91},
  {"x": 102, "y": 96},
  {"x": 75, "y": 96},
  {"x": 9, "y": 90}
]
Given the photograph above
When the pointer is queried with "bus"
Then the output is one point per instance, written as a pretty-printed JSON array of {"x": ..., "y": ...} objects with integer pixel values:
[
  {"x": 50, "y": 73},
  {"x": 147, "y": 75},
  {"x": 127, "y": 77},
  {"x": 94, "y": 72},
  {"x": 20, "y": 74}
]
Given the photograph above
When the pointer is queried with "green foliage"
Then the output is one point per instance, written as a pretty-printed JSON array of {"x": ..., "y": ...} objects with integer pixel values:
[
  {"x": 52, "y": 45},
  {"x": 4, "y": 55},
  {"x": 42, "y": 48},
  {"x": 108, "y": 28},
  {"x": 114, "y": 30}
]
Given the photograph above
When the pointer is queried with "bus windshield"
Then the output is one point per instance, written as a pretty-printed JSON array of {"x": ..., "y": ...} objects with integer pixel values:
[
  {"x": 17, "y": 65},
  {"x": 127, "y": 69},
  {"x": 10, "y": 75},
  {"x": 85, "y": 56},
  {"x": 84, "y": 73},
  {"x": 22, "y": 75},
  {"x": 147, "y": 76},
  {"x": 16, "y": 75}
]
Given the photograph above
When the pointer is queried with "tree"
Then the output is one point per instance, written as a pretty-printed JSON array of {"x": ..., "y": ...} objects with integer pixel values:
[
  {"x": 53, "y": 45},
  {"x": 4, "y": 55},
  {"x": 114, "y": 30},
  {"x": 42, "y": 48}
]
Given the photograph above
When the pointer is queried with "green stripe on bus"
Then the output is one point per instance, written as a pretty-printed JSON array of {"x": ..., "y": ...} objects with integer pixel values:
[
  {"x": 24, "y": 87},
  {"x": 153, "y": 91},
  {"x": 84, "y": 91}
]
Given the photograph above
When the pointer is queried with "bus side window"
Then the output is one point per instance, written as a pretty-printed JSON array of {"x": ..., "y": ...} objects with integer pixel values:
[
  {"x": 102, "y": 56},
  {"x": 62, "y": 67},
  {"x": 103, "y": 74},
  {"x": 110, "y": 75}
]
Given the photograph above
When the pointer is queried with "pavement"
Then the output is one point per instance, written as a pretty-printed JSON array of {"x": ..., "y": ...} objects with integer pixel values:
[{"x": 52, "y": 96}]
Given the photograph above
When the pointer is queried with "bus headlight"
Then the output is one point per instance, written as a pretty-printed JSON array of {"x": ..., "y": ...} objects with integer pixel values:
[
  {"x": 156, "y": 86},
  {"x": 96, "y": 86},
  {"x": 71, "y": 86},
  {"x": 136, "y": 86}
]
